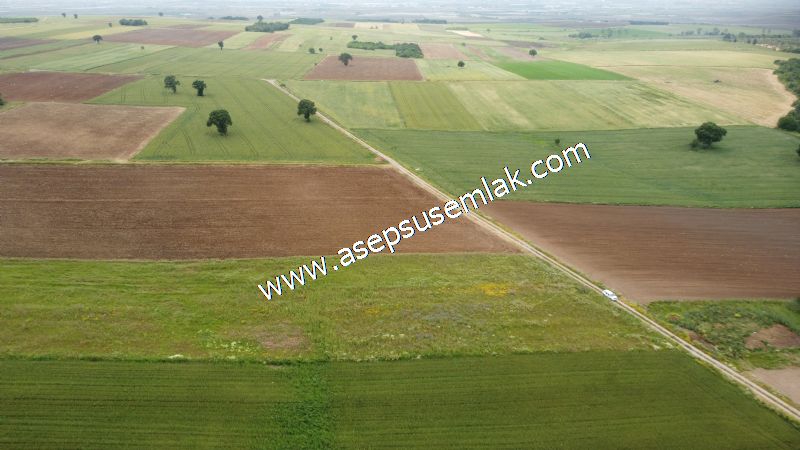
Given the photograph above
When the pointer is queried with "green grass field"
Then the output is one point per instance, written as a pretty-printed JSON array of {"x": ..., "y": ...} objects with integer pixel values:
[
  {"x": 752, "y": 167},
  {"x": 725, "y": 326},
  {"x": 431, "y": 106},
  {"x": 386, "y": 308},
  {"x": 621, "y": 399},
  {"x": 558, "y": 70},
  {"x": 265, "y": 125},
  {"x": 344, "y": 101}
]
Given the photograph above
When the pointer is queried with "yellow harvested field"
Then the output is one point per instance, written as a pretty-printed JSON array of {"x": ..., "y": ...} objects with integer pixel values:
[{"x": 755, "y": 95}]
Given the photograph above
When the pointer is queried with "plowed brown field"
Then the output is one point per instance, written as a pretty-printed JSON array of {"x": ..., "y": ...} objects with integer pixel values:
[
  {"x": 7, "y": 43},
  {"x": 364, "y": 68},
  {"x": 267, "y": 41},
  {"x": 649, "y": 253},
  {"x": 187, "y": 212},
  {"x": 69, "y": 130},
  {"x": 59, "y": 86},
  {"x": 441, "y": 51}
]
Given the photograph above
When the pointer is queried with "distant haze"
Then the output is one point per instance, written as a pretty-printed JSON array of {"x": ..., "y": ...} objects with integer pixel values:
[{"x": 785, "y": 13}]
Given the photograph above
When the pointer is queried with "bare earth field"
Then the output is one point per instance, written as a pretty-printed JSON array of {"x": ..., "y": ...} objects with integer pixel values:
[
  {"x": 172, "y": 36},
  {"x": 7, "y": 43},
  {"x": 69, "y": 130},
  {"x": 267, "y": 41},
  {"x": 786, "y": 381},
  {"x": 191, "y": 212},
  {"x": 516, "y": 53},
  {"x": 441, "y": 51},
  {"x": 59, "y": 86},
  {"x": 364, "y": 68},
  {"x": 650, "y": 253}
]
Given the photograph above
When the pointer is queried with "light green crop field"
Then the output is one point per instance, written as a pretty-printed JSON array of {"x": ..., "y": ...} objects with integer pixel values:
[
  {"x": 558, "y": 70},
  {"x": 699, "y": 58},
  {"x": 238, "y": 41},
  {"x": 753, "y": 167},
  {"x": 265, "y": 125},
  {"x": 474, "y": 70},
  {"x": 383, "y": 308},
  {"x": 82, "y": 57},
  {"x": 366, "y": 104},
  {"x": 579, "y": 105},
  {"x": 213, "y": 62},
  {"x": 431, "y": 106},
  {"x": 622, "y": 399}
]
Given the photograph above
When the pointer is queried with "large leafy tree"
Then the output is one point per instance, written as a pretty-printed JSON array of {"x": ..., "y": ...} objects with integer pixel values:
[
  {"x": 306, "y": 108},
  {"x": 345, "y": 58},
  {"x": 707, "y": 134},
  {"x": 221, "y": 45},
  {"x": 200, "y": 86},
  {"x": 97, "y": 38},
  {"x": 172, "y": 83},
  {"x": 3, "y": 102},
  {"x": 221, "y": 119}
]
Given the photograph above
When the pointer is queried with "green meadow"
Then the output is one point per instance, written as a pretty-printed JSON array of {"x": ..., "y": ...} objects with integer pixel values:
[
  {"x": 753, "y": 167},
  {"x": 266, "y": 126},
  {"x": 431, "y": 106},
  {"x": 385, "y": 308}
]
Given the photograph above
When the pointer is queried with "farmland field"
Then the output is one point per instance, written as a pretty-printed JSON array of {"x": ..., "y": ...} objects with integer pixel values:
[
  {"x": 431, "y": 106},
  {"x": 753, "y": 167},
  {"x": 186, "y": 212},
  {"x": 475, "y": 70},
  {"x": 81, "y": 57},
  {"x": 59, "y": 87},
  {"x": 697, "y": 58},
  {"x": 579, "y": 105},
  {"x": 173, "y": 36},
  {"x": 652, "y": 253},
  {"x": 558, "y": 70},
  {"x": 364, "y": 68},
  {"x": 398, "y": 306},
  {"x": 753, "y": 94},
  {"x": 344, "y": 102},
  {"x": 212, "y": 62},
  {"x": 265, "y": 125},
  {"x": 520, "y": 401},
  {"x": 75, "y": 131}
]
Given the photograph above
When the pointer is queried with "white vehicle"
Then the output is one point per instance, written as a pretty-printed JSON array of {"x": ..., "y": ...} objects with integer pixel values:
[{"x": 610, "y": 294}]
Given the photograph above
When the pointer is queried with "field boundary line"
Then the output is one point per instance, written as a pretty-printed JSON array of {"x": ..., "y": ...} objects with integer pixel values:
[{"x": 766, "y": 396}]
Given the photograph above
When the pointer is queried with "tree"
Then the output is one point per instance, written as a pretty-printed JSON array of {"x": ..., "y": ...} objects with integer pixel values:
[
  {"x": 312, "y": 50},
  {"x": 200, "y": 85},
  {"x": 260, "y": 18},
  {"x": 345, "y": 58},
  {"x": 97, "y": 38},
  {"x": 798, "y": 147},
  {"x": 161, "y": 14},
  {"x": 75, "y": 16},
  {"x": 170, "y": 82},
  {"x": 533, "y": 52},
  {"x": 64, "y": 15},
  {"x": 707, "y": 134},
  {"x": 221, "y": 44},
  {"x": 306, "y": 108},
  {"x": 3, "y": 102},
  {"x": 320, "y": 49},
  {"x": 461, "y": 64},
  {"x": 355, "y": 37},
  {"x": 220, "y": 119},
  {"x": 110, "y": 25},
  {"x": 557, "y": 141},
  {"x": 789, "y": 122}
]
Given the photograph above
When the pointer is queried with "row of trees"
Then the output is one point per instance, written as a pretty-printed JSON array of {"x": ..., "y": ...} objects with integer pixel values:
[
  {"x": 788, "y": 72},
  {"x": 132, "y": 22}
]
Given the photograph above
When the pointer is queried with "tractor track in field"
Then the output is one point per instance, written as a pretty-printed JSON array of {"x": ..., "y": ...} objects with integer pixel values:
[{"x": 763, "y": 394}]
